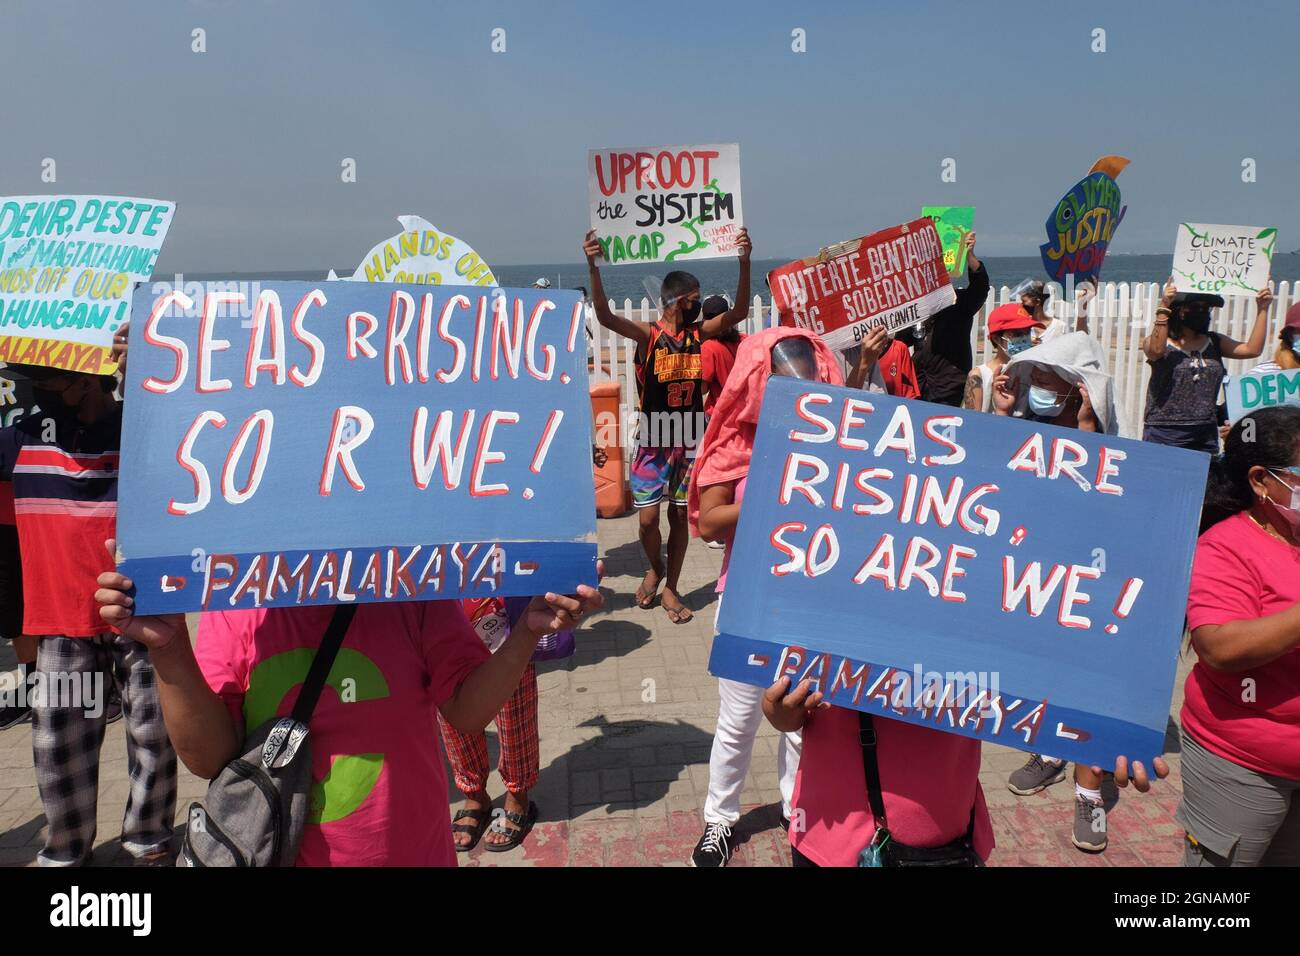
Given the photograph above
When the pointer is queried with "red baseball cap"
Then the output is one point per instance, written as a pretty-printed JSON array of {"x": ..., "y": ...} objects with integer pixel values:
[
  {"x": 1012, "y": 316},
  {"x": 1292, "y": 317}
]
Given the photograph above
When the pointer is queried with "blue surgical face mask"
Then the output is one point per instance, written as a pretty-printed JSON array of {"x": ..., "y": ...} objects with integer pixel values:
[
  {"x": 1295, "y": 346},
  {"x": 1018, "y": 344},
  {"x": 1045, "y": 402}
]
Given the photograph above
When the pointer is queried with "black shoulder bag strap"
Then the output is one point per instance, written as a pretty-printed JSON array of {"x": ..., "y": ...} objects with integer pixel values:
[
  {"x": 322, "y": 662},
  {"x": 871, "y": 770}
]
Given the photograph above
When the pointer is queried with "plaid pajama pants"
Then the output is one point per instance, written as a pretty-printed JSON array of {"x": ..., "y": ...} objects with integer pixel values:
[
  {"x": 516, "y": 737},
  {"x": 66, "y": 741}
]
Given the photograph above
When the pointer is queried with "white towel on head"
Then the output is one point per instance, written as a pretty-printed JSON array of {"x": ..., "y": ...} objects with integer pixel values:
[{"x": 1079, "y": 359}]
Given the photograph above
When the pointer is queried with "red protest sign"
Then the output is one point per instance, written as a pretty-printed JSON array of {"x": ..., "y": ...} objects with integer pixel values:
[{"x": 895, "y": 278}]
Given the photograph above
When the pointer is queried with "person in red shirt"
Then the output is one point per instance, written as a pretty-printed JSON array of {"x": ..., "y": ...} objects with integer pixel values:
[
  {"x": 63, "y": 463},
  {"x": 1241, "y": 707},
  {"x": 672, "y": 411},
  {"x": 883, "y": 363},
  {"x": 717, "y": 356}
]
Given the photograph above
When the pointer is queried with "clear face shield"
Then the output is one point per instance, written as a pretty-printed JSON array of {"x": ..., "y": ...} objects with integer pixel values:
[{"x": 795, "y": 357}]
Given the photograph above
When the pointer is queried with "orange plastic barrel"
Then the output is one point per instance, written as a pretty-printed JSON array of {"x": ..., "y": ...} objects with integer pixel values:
[{"x": 613, "y": 496}]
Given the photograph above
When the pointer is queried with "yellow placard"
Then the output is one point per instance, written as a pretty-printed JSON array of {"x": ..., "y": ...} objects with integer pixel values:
[{"x": 56, "y": 353}]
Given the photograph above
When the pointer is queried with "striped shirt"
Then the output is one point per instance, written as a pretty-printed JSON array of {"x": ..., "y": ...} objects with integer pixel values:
[{"x": 64, "y": 476}]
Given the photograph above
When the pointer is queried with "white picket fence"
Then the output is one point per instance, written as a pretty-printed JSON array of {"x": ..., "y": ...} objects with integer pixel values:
[{"x": 1119, "y": 316}]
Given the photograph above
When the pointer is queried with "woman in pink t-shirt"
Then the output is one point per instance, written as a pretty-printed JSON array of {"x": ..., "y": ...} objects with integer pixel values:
[
  {"x": 375, "y": 753},
  {"x": 1241, "y": 710}
]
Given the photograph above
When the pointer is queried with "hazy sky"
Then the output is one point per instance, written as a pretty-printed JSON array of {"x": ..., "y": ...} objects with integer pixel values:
[{"x": 839, "y": 141}]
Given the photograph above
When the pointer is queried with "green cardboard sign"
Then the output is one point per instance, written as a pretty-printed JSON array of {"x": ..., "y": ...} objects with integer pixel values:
[{"x": 953, "y": 222}]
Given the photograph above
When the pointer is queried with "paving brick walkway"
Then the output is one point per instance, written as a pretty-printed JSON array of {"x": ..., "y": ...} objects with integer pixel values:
[{"x": 626, "y": 726}]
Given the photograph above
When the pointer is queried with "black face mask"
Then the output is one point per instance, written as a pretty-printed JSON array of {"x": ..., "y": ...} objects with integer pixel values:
[
  {"x": 55, "y": 399},
  {"x": 690, "y": 311},
  {"x": 1198, "y": 322}
]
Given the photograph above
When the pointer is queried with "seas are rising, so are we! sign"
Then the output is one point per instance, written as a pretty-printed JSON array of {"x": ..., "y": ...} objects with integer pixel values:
[
  {"x": 355, "y": 442},
  {"x": 973, "y": 574}
]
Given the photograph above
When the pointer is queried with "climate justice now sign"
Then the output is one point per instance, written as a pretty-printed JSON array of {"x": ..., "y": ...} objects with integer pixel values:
[
  {"x": 971, "y": 573},
  {"x": 894, "y": 278},
  {"x": 355, "y": 441}
]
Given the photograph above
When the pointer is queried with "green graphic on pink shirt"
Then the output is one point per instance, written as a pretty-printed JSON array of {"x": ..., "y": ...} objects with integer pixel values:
[{"x": 355, "y": 678}]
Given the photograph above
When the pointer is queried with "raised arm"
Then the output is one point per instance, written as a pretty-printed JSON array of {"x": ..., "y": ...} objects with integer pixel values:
[
  {"x": 1153, "y": 346},
  {"x": 873, "y": 346},
  {"x": 719, "y": 324},
  {"x": 1254, "y": 346},
  {"x": 1084, "y": 294},
  {"x": 971, "y": 299},
  {"x": 639, "y": 332}
]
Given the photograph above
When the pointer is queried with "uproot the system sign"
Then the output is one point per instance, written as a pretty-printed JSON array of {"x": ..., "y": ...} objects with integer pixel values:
[
  {"x": 355, "y": 441},
  {"x": 67, "y": 268},
  {"x": 962, "y": 571},
  {"x": 665, "y": 203},
  {"x": 895, "y": 278}
]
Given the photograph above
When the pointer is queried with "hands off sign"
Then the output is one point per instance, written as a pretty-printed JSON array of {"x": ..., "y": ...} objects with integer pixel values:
[
  {"x": 966, "y": 572},
  {"x": 895, "y": 278},
  {"x": 665, "y": 203},
  {"x": 67, "y": 268},
  {"x": 358, "y": 442},
  {"x": 1223, "y": 260}
]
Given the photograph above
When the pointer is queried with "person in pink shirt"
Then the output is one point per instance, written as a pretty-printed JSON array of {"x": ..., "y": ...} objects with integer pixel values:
[
  {"x": 1241, "y": 708},
  {"x": 380, "y": 792}
]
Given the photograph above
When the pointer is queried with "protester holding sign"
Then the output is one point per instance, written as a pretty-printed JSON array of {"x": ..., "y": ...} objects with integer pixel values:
[
  {"x": 1187, "y": 368},
  {"x": 1058, "y": 379},
  {"x": 715, "y": 501},
  {"x": 941, "y": 351},
  {"x": 63, "y": 462},
  {"x": 669, "y": 369},
  {"x": 882, "y": 363},
  {"x": 1241, "y": 709},
  {"x": 381, "y": 792}
]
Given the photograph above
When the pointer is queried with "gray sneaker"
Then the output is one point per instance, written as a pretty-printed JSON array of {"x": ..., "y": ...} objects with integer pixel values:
[
  {"x": 1038, "y": 774},
  {"x": 1089, "y": 825}
]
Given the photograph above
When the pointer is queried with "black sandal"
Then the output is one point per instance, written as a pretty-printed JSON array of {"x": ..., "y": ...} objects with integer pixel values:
[
  {"x": 480, "y": 818},
  {"x": 523, "y": 821}
]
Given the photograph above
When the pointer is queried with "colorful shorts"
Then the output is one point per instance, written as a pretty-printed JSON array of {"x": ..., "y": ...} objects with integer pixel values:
[{"x": 660, "y": 471}]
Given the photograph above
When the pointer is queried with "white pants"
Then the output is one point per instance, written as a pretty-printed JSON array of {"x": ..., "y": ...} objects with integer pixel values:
[{"x": 740, "y": 715}]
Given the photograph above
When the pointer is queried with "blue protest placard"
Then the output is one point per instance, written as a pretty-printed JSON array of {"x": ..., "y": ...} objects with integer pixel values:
[
  {"x": 992, "y": 577},
  {"x": 1080, "y": 228},
  {"x": 1256, "y": 390},
  {"x": 354, "y": 441}
]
